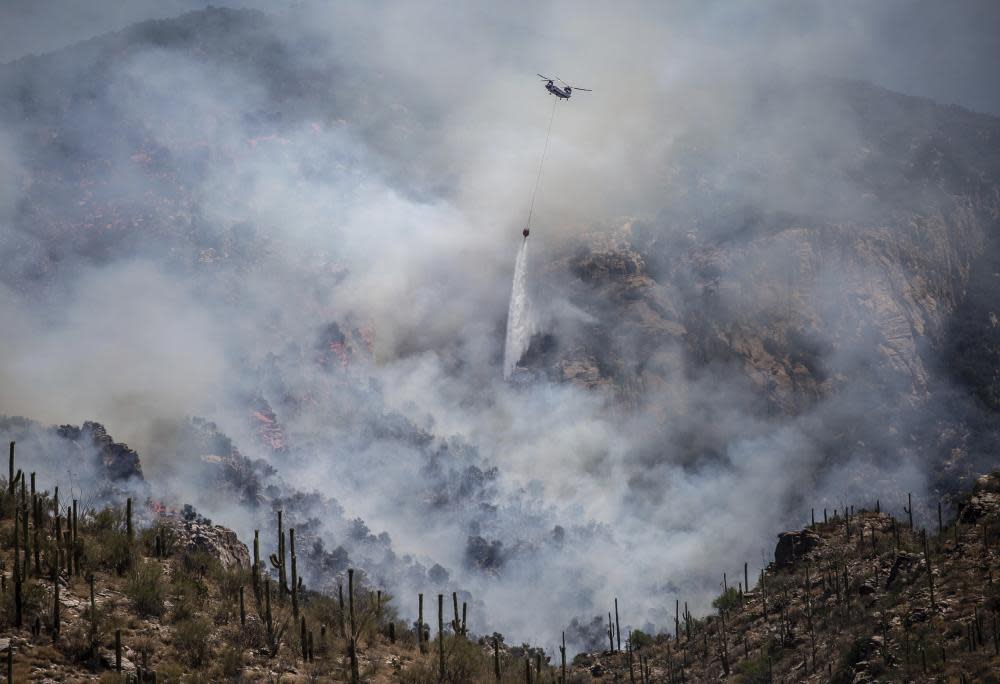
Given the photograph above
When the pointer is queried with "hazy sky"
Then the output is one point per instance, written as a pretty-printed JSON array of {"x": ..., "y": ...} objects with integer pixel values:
[{"x": 947, "y": 51}]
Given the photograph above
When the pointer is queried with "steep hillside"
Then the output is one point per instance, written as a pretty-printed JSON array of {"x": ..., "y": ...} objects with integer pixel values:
[
  {"x": 860, "y": 596},
  {"x": 136, "y": 591}
]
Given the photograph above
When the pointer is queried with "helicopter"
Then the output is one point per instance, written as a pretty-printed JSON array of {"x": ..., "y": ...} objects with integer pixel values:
[{"x": 562, "y": 93}]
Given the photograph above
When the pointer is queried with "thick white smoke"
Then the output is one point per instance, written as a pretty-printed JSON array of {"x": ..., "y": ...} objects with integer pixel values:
[
  {"x": 520, "y": 319},
  {"x": 328, "y": 228}
]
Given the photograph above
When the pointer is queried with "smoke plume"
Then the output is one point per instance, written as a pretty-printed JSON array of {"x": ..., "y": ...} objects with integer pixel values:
[{"x": 270, "y": 251}]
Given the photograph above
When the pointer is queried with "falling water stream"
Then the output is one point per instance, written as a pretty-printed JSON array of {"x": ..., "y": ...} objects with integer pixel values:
[{"x": 520, "y": 324}]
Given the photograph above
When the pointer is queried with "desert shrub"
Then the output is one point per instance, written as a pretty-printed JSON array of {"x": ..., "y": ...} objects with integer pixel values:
[
  {"x": 754, "y": 671},
  {"x": 199, "y": 563},
  {"x": 187, "y": 592},
  {"x": 77, "y": 644},
  {"x": 191, "y": 640},
  {"x": 168, "y": 539},
  {"x": 229, "y": 662},
  {"x": 144, "y": 588},
  {"x": 34, "y": 601},
  {"x": 465, "y": 662},
  {"x": 727, "y": 600},
  {"x": 144, "y": 647},
  {"x": 104, "y": 543},
  {"x": 169, "y": 671},
  {"x": 640, "y": 639},
  {"x": 229, "y": 581}
]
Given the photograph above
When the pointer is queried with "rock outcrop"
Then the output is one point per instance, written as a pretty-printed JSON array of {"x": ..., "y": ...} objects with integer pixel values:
[
  {"x": 201, "y": 535},
  {"x": 794, "y": 545}
]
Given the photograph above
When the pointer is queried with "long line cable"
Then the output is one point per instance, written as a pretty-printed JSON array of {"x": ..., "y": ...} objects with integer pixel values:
[{"x": 538, "y": 178}]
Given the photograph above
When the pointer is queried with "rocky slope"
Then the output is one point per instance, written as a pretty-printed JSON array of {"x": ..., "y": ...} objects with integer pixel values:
[{"x": 861, "y": 597}]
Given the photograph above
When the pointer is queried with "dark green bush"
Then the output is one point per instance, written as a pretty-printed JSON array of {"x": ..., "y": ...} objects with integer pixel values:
[
  {"x": 727, "y": 600},
  {"x": 191, "y": 639},
  {"x": 145, "y": 589}
]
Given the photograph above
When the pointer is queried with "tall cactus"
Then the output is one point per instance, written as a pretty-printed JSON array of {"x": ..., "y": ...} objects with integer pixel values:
[
  {"x": 295, "y": 588},
  {"x": 420, "y": 623},
  {"x": 562, "y": 657},
  {"x": 282, "y": 579},
  {"x": 255, "y": 574},
  {"x": 294, "y": 573},
  {"x": 441, "y": 633},
  {"x": 341, "y": 613},
  {"x": 303, "y": 639},
  {"x": 76, "y": 541},
  {"x": 354, "y": 631},
  {"x": 24, "y": 518},
  {"x": 10, "y": 477},
  {"x": 128, "y": 519},
  {"x": 618, "y": 629}
]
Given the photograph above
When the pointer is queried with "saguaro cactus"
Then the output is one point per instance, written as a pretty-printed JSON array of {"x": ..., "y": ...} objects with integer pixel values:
[
  {"x": 295, "y": 588},
  {"x": 303, "y": 638},
  {"x": 340, "y": 600},
  {"x": 76, "y": 541},
  {"x": 354, "y": 630},
  {"x": 420, "y": 623},
  {"x": 562, "y": 657},
  {"x": 24, "y": 518},
  {"x": 282, "y": 579},
  {"x": 618, "y": 629},
  {"x": 128, "y": 519},
  {"x": 441, "y": 634},
  {"x": 255, "y": 572},
  {"x": 10, "y": 477}
]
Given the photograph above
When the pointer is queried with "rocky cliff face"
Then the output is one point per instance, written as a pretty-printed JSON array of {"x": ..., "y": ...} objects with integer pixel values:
[{"x": 875, "y": 306}]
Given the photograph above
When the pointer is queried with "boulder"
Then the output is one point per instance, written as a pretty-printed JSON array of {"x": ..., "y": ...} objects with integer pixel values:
[{"x": 793, "y": 545}]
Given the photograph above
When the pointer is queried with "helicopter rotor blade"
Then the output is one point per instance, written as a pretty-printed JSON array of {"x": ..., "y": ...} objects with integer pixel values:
[
  {"x": 588, "y": 90},
  {"x": 544, "y": 78}
]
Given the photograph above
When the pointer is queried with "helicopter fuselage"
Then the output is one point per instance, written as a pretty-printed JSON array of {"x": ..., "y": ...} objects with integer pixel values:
[{"x": 562, "y": 93}]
